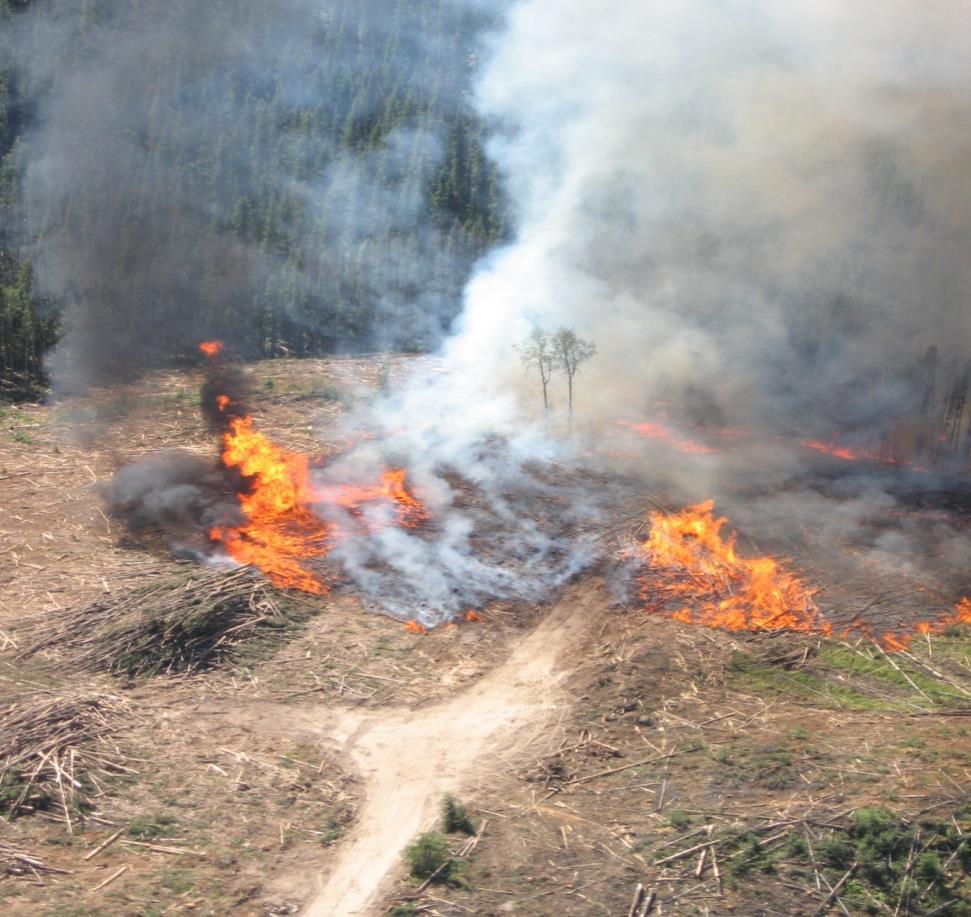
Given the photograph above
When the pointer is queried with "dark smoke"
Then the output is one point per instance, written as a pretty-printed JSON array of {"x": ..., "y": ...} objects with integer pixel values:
[
  {"x": 258, "y": 172},
  {"x": 181, "y": 494}
]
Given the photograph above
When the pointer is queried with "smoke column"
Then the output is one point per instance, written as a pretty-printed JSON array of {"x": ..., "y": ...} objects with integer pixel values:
[
  {"x": 272, "y": 174},
  {"x": 758, "y": 211}
]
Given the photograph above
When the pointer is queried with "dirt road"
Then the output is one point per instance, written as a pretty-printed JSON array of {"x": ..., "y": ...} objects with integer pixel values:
[{"x": 408, "y": 759}]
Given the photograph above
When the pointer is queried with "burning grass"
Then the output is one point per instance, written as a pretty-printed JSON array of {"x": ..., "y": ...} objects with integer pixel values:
[
  {"x": 283, "y": 530},
  {"x": 184, "y": 622},
  {"x": 695, "y": 575},
  {"x": 53, "y": 747}
]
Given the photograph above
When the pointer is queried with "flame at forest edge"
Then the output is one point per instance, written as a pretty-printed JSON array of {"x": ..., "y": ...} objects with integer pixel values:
[{"x": 695, "y": 575}]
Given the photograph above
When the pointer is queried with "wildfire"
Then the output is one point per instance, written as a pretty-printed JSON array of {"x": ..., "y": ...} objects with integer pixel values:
[
  {"x": 211, "y": 348},
  {"x": 695, "y": 575},
  {"x": 690, "y": 561},
  {"x": 660, "y": 432},
  {"x": 390, "y": 487},
  {"x": 282, "y": 530},
  {"x": 858, "y": 455}
]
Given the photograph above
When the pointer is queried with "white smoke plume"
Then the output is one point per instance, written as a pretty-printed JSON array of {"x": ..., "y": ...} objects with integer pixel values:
[
  {"x": 759, "y": 213},
  {"x": 753, "y": 208}
]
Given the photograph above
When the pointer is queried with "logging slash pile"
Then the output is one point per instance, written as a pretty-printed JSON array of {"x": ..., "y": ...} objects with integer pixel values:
[
  {"x": 56, "y": 751},
  {"x": 179, "y": 623}
]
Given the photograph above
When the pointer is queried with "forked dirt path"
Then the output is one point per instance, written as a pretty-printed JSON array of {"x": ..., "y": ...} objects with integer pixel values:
[{"x": 409, "y": 758}]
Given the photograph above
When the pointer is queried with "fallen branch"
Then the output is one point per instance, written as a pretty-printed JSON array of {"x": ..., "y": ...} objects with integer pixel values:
[
  {"x": 15, "y": 862},
  {"x": 49, "y": 741},
  {"x": 627, "y": 767},
  {"x": 835, "y": 891}
]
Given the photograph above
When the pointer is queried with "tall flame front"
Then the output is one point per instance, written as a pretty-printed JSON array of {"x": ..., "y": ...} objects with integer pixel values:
[
  {"x": 694, "y": 574},
  {"x": 279, "y": 502},
  {"x": 280, "y": 529}
]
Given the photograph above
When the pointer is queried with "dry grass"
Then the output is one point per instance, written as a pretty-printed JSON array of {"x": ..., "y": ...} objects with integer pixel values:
[{"x": 725, "y": 773}]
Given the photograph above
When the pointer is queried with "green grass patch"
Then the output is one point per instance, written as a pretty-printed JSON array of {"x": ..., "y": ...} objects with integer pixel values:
[
  {"x": 919, "y": 867},
  {"x": 749, "y": 673},
  {"x": 149, "y": 827},
  {"x": 876, "y": 666},
  {"x": 859, "y": 679}
]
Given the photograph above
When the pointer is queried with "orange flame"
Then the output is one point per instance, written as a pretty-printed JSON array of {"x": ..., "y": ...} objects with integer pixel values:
[
  {"x": 222, "y": 401},
  {"x": 472, "y": 616},
  {"x": 391, "y": 487},
  {"x": 281, "y": 530},
  {"x": 690, "y": 560},
  {"x": 695, "y": 575},
  {"x": 413, "y": 627},
  {"x": 211, "y": 348},
  {"x": 668, "y": 437},
  {"x": 858, "y": 455}
]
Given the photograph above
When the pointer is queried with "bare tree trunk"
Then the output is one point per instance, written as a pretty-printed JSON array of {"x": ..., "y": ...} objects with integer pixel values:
[{"x": 569, "y": 388}]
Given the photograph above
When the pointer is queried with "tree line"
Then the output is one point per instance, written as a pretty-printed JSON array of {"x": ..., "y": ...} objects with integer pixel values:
[{"x": 332, "y": 195}]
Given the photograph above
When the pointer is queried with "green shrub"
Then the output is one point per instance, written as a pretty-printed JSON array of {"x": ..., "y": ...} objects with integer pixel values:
[
  {"x": 152, "y": 826},
  {"x": 427, "y": 854},
  {"x": 928, "y": 866},
  {"x": 455, "y": 817},
  {"x": 679, "y": 819}
]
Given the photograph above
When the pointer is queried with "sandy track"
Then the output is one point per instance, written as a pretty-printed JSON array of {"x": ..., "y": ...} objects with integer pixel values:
[{"x": 409, "y": 758}]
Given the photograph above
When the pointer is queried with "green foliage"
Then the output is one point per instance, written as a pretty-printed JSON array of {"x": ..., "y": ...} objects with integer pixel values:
[
  {"x": 317, "y": 194},
  {"x": 679, "y": 819},
  {"x": 147, "y": 827},
  {"x": 27, "y": 330},
  {"x": 426, "y": 854},
  {"x": 455, "y": 817},
  {"x": 332, "y": 833},
  {"x": 897, "y": 860}
]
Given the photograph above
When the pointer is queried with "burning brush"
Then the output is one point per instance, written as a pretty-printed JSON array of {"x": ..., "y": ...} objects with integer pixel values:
[
  {"x": 260, "y": 507},
  {"x": 492, "y": 519},
  {"x": 694, "y": 574}
]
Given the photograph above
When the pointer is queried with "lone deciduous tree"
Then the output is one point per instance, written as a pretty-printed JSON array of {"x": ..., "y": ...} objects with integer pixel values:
[
  {"x": 536, "y": 353},
  {"x": 569, "y": 354}
]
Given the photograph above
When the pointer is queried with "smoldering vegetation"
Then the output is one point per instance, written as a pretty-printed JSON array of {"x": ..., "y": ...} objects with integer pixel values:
[
  {"x": 757, "y": 214},
  {"x": 510, "y": 516}
]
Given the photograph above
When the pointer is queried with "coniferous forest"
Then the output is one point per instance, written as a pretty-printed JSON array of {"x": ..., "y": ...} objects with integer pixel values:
[{"x": 294, "y": 178}]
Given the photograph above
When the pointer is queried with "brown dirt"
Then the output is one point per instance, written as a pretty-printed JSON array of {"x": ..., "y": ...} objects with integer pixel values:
[{"x": 410, "y": 758}]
